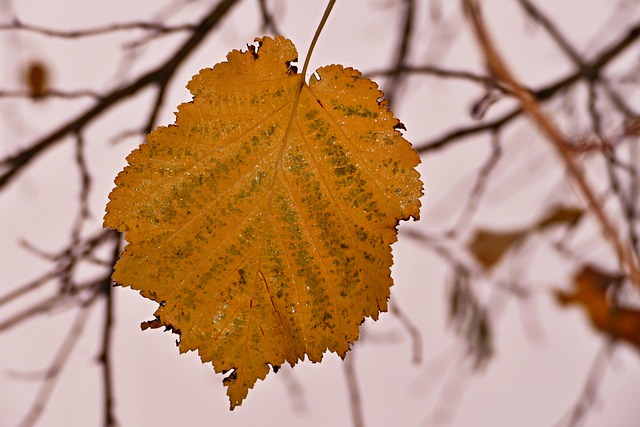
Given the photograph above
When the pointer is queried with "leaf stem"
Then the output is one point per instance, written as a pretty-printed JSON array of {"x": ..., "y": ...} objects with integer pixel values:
[{"x": 323, "y": 21}]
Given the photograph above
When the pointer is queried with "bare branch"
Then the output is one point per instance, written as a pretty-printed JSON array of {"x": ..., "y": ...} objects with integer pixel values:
[
  {"x": 412, "y": 330},
  {"x": 591, "y": 387},
  {"x": 105, "y": 353},
  {"x": 14, "y": 164},
  {"x": 59, "y": 362},
  {"x": 402, "y": 50},
  {"x": 268, "y": 22},
  {"x": 625, "y": 253},
  {"x": 355, "y": 400},
  {"x": 537, "y": 15},
  {"x": 436, "y": 72},
  {"x": 592, "y": 68},
  {"x": 479, "y": 186},
  {"x": 51, "y": 93},
  {"x": 128, "y": 26}
]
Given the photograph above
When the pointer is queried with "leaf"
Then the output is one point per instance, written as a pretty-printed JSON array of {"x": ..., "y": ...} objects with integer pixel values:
[
  {"x": 262, "y": 220},
  {"x": 488, "y": 246},
  {"x": 591, "y": 291},
  {"x": 569, "y": 215},
  {"x": 36, "y": 79}
]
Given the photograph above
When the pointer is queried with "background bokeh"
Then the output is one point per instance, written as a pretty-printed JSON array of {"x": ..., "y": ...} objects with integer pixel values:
[{"x": 543, "y": 358}]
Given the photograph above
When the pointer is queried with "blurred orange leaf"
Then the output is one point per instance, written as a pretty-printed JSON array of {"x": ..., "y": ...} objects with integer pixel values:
[
  {"x": 262, "y": 220},
  {"x": 591, "y": 292},
  {"x": 37, "y": 76},
  {"x": 569, "y": 215},
  {"x": 488, "y": 247}
]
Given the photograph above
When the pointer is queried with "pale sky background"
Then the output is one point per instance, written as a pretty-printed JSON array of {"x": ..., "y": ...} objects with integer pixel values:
[{"x": 542, "y": 355}]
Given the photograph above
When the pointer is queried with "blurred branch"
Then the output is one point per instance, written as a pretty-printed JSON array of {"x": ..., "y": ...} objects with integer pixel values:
[
  {"x": 107, "y": 330},
  {"x": 479, "y": 186},
  {"x": 412, "y": 330},
  {"x": 51, "y": 93},
  {"x": 146, "y": 26},
  {"x": 160, "y": 77},
  {"x": 537, "y": 15},
  {"x": 435, "y": 72},
  {"x": 268, "y": 22},
  {"x": 625, "y": 253},
  {"x": 589, "y": 393},
  {"x": 59, "y": 362},
  {"x": 591, "y": 69},
  {"x": 402, "y": 49},
  {"x": 355, "y": 400},
  {"x": 295, "y": 391}
]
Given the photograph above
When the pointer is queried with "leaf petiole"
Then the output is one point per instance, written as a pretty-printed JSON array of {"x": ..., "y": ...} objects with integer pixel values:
[{"x": 327, "y": 12}]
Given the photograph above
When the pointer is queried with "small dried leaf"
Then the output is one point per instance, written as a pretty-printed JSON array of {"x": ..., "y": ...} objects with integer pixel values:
[
  {"x": 562, "y": 215},
  {"x": 37, "y": 77},
  {"x": 591, "y": 287},
  {"x": 488, "y": 247}
]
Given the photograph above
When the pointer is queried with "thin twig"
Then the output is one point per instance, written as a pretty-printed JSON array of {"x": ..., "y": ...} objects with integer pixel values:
[
  {"x": 402, "y": 49},
  {"x": 268, "y": 22},
  {"x": 537, "y": 15},
  {"x": 104, "y": 358},
  {"x": 435, "y": 71},
  {"x": 85, "y": 179},
  {"x": 51, "y": 93},
  {"x": 479, "y": 187},
  {"x": 43, "y": 306},
  {"x": 355, "y": 400},
  {"x": 591, "y": 387},
  {"x": 295, "y": 391},
  {"x": 412, "y": 330},
  {"x": 30, "y": 286},
  {"x": 59, "y": 362},
  {"x": 128, "y": 26},
  {"x": 593, "y": 67}
]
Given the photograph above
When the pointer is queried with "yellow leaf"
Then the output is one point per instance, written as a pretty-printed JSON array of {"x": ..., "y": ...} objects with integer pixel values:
[{"x": 262, "y": 220}]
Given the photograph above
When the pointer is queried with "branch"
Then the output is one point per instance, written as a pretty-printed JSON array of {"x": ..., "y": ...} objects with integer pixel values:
[
  {"x": 402, "y": 49},
  {"x": 59, "y": 361},
  {"x": 553, "y": 31},
  {"x": 436, "y": 72},
  {"x": 590, "y": 71},
  {"x": 146, "y": 26},
  {"x": 107, "y": 331},
  {"x": 355, "y": 400},
  {"x": 160, "y": 76},
  {"x": 51, "y": 93},
  {"x": 626, "y": 255}
]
